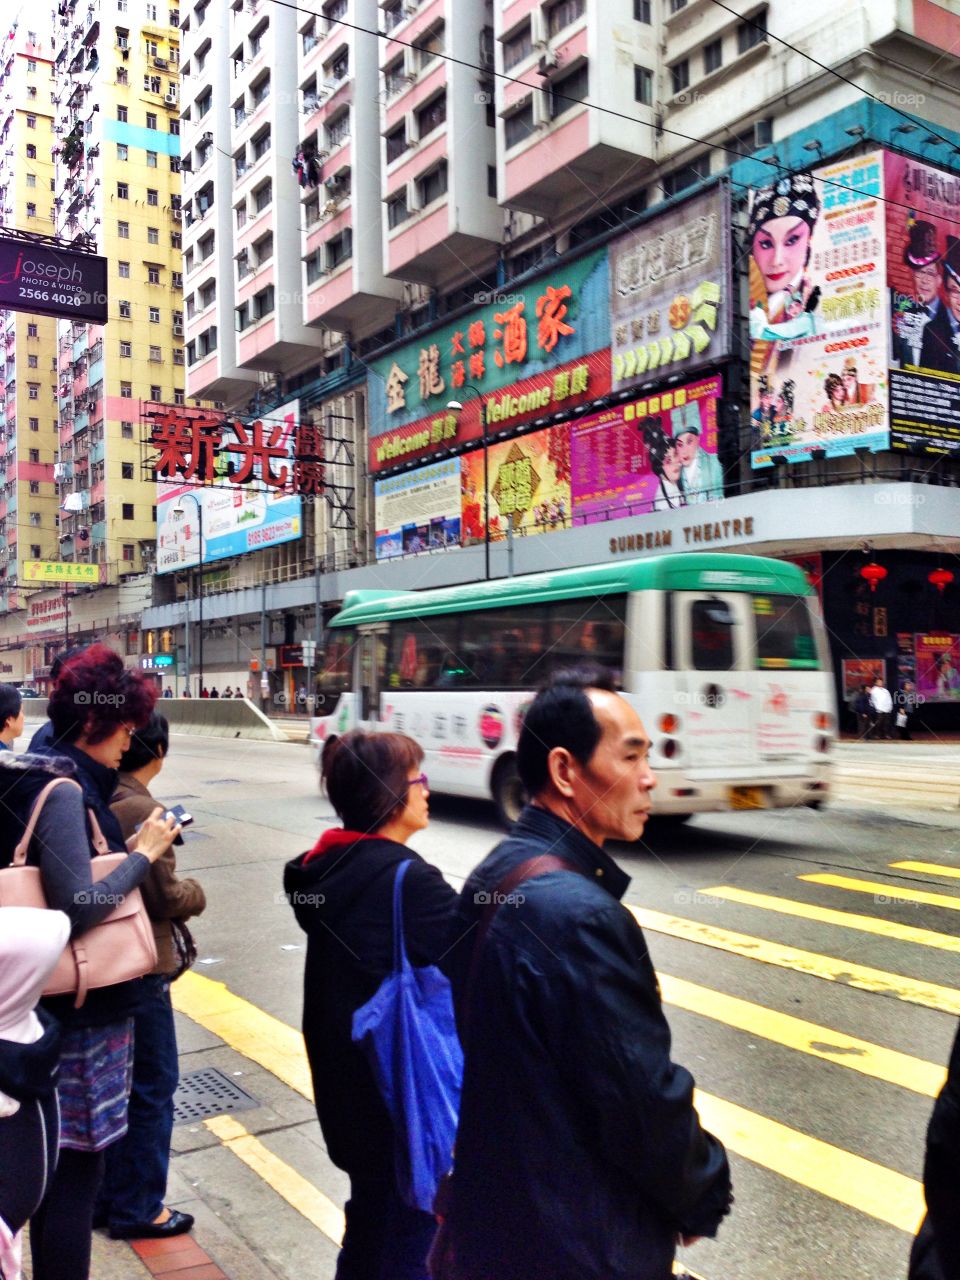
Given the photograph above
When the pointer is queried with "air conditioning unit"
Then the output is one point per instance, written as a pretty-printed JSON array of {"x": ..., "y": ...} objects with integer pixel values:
[
  {"x": 548, "y": 62},
  {"x": 170, "y": 98},
  {"x": 178, "y": 328},
  {"x": 161, "y": 63}
]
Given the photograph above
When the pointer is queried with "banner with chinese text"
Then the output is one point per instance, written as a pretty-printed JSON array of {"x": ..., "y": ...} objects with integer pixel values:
[
  {"x": 419, "y": 510},
  {"x": 237, "y": 516},
  {"x": 649, "y": 454},
  {"x": 529, "y": 485},
  {"x": 818, "y": 332},
  {"x": 670, "y": 291}
]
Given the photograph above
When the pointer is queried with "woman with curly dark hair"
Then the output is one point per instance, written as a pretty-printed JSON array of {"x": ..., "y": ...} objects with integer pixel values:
[{"x": 95, "y": 707}]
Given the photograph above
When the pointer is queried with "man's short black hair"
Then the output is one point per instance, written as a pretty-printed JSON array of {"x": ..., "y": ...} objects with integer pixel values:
[
  {"x": 10, "y": 704},
  {"x": 148, "y": 744},
  {"x": 561, "y": 715},
  {"x": 65, "y": 655}
]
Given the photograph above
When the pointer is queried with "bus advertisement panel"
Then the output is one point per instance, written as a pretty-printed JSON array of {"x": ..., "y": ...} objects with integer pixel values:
[
  {"x": 529, "y": 485},
  {"x": 923, "y": 274},
  {"x": 419, "y": 510},
  {"x": 818, "y": 331},
  {"x": 650, "y": 454}
]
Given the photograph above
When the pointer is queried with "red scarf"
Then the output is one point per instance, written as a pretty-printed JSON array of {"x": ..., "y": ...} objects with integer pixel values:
[{"x": 335, "y": 839}]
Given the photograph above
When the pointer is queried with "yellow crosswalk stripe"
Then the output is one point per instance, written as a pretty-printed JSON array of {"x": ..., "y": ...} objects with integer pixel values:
[
  {"x": 845, "y": 919},
  {"x": 929, "y": 868},
  {"x": 849, "y": 1179},
  {"x": 292, "y": 1186},
  {"x": 885, "y": 892},
  {"x": 915, "y": 1074},
  {"x": 829, "y": 968}
]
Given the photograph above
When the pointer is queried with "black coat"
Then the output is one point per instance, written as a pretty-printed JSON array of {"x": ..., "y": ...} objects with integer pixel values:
[
  {"x": 579, "y": 1153},
  {"x": 939, "y": 349},
  {"x": 343, "y": 900},
  {"x": 936, "y": 1252}
]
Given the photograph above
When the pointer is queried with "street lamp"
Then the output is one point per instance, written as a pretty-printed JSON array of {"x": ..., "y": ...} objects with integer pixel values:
[
  {"x": 179, "y": 509},
  {"x": 455, "y": 406}
]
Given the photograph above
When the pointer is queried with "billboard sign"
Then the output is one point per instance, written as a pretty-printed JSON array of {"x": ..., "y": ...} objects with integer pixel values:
[
  {"x": 419, "y": 510},
  {"x": 650, "y": 454},
  {"x": 236, "y": 518},
  {"x": 60, "y": 571},
  {"x": 670, "y": 291},
  {"x": 818, "y": 334},
  {"x": 923, "y": 276},
  {"x": 46, "y": 280},
  {"x": 937, "y": 659},
  {"x": 529, "y": 481}
]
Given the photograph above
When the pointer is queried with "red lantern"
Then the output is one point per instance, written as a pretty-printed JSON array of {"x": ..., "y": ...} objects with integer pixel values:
[
  {"x": 941, "y": 578},
  {"x": 873, "y": 573}
]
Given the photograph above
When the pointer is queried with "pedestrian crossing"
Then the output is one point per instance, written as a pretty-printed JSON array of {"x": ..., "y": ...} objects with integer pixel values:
[{"x": 869, "y": 1187}]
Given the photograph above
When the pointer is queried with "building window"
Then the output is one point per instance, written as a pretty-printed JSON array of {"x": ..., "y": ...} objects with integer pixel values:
[
  {"x": 178, "y": 355},
  {"x": 123, "y": 270},
  {"x": 32, "y": 62},
  {"x": 31, "y": 122},
  {"x": 31, "y": 179},
  {"x": 33, "y": 331},
  {"x": 263, "y": 196},
  {"x": 35, "y": 487},
  {"x": 518, "y": 126},
  {"x": 643, "y": 86},
  {"x": 126, "y": 390},
  {"x": 396, "y": 142},
  {"x": 31, "y": 210},
  {"x": 562, "y": 14},
  {"x": 122, "y": 114},
  {"x": 153, "y": 197},
  {"x": 156, "y": 391},
  {"x": 397, "y": 210},
  {"x": 123, "y": 191},
  {"x": 156, "y": 355},
  {"x": 33, "y": 390},
  {"x": 431, "y": 116},
  {"x": 128, "y": 549},
  {"x": 31, "y": 362},
  {"x": 394, "y": 78},
  {"x": 340, "y": 248},
  {"x": 33, "y": 455},
  {"x": 429, "y": 46},
  {"x": 338, "y": 130},
  {"x": 126, "y": 430},
  {"x": 686, "y": 177},
  {"x": 261, "y": 145},
  {"x": 174, "y": 164},
  {"x": 176, "y": 240},
  {"x": 712, "y": 56},
  {"x": 679, "y": 76},
  {"x": 123, "y": 230},
  {"x": 176, "y": 279},
  {"x": 153, "y": 235},
  {"x": 752, "y": 32},
  {"x": 122, "y": 77},
  {"x": 431, "y": 186},
  {"x": 153, "y": 274},
  {"x": 565, "y": 94},
  {"x": 677, "y": 5},
  {"x": 35, "y": 550},
  {"x": 124, "y": 309},
  {"x": 260, "y": 92},
  {"x": 122, "y": 151},
  {"x": 151, "y": 159},
  {"x": 126, "y": 470},
  {"x": 263, "y": 303},
  {"x": 34, "y": 424},
  {"x": 31, "y": 151},
  {"x": 174, "y": 124},
  {"x": 126, "y": 350},
  {"x": 154, "y": 315},
  {"x": 127, "y": 510},
  {"x": 178, "y": 395},
  {"x": 517, "y": 47}
]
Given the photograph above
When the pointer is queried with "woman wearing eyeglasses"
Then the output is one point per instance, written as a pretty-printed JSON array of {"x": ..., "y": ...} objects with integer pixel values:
[{"x": 341, "y": 892}]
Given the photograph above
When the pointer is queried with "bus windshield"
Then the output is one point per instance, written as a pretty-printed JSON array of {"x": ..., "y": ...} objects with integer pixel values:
[{"x": 785, "y": 637}]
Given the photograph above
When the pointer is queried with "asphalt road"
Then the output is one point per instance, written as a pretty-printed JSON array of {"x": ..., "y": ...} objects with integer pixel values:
[{"x": 819, "y": 1074}]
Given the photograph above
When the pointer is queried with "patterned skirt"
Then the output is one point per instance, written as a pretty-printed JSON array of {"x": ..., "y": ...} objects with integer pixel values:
[{"x": 96, "y": 1072}]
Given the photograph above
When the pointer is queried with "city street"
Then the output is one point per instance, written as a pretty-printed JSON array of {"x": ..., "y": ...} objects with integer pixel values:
[{"x": 808, "y": 981}]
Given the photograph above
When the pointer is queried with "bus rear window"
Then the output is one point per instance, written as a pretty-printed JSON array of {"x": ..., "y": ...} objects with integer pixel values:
[{"x": 784, "y": 633}]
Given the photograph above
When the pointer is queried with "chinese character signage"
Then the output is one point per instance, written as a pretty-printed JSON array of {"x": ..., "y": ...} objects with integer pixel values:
[
  {"x": 59, "y": 571},
  {"x": 650, "y": 454},
  {"x": 938, "y": 667},
  {"x": 46, "y": 615},
  {"x": 670, "y": 292},
  {"x": 529, "y": 485},
  {"x": 818, "y": 333},
  {"x": 549, "y": 324},
  {"x": 419, "y": 510},
  {"x": 242, "y": 474},
  {"x": 923, "y": 275}
]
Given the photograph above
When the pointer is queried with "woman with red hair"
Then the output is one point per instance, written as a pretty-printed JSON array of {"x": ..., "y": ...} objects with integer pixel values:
[{"x": 95, "y": 707}]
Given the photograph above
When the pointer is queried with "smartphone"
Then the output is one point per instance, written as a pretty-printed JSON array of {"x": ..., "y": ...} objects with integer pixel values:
[{"x": 178, "y": 812}]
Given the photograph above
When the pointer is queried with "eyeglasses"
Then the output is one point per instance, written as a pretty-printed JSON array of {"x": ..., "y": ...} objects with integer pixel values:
[{"x": 422, "y": 779}]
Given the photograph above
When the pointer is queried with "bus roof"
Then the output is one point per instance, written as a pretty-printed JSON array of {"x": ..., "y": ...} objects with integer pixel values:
[{"x": 684, "y": 571}]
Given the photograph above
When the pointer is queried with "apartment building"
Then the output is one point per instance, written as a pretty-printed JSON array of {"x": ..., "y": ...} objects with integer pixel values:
[
  {"x": 28, "y": 380},
  {"x": 118, "y": 190}
]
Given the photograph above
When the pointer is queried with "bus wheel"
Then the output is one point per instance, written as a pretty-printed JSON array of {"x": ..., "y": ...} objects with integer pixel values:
[{"x": 509, "y": 794}]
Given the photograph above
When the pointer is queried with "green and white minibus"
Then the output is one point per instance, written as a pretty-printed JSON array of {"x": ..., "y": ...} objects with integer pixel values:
[{"x": 724, "y": 657}]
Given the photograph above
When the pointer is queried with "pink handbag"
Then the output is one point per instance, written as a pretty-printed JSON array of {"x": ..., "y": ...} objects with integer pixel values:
[{"x": 117, "y": 949}]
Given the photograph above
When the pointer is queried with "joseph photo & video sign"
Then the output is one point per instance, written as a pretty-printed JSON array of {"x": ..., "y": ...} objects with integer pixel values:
[{"x": 47, "y": 280}]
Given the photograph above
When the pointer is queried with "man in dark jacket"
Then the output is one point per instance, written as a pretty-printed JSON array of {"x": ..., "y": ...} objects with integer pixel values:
[
  {"x": 579, "y": 1153},
  {"x": 936, "y": 1250}
]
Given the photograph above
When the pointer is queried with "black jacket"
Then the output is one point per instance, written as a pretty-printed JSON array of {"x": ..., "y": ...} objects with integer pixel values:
[
  {"x": 936, "y": 1252},
  {"x": 940, "y": 349},
  {"x": 579, "y": 1153},
  {"x": 343, "y": 900}
]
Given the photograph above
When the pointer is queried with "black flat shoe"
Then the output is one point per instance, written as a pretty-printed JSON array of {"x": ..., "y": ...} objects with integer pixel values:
[{"x": 176, "y": 1225}]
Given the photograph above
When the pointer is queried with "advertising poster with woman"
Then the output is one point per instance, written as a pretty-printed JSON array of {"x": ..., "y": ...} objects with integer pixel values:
[
  {"x": 818, "y": 354},
  {"x": 938, "y": 667},
  {"x": 651, "y": 454},
  {"x": 529, "y": 482}
]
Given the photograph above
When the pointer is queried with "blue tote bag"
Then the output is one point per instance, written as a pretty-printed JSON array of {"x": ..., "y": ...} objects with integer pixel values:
[{"x": 409, "y": 1035}]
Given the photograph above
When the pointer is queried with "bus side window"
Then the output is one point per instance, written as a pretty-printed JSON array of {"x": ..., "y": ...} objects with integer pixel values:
[{"x": 711, "y": 636}]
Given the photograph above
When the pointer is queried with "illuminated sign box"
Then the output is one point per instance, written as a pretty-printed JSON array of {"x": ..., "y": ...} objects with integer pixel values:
[
  {"x": 47, "y": 280},
  {"x": 59, "y": 571}
]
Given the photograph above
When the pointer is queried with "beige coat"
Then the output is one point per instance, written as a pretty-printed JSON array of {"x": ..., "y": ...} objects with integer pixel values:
[{"x": 165, "y": 895}]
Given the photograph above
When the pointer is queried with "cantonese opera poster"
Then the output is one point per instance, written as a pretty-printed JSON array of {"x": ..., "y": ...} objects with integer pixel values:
[
  {"x": 818, "y": 329},
  {"x": 529, "y": 481},
  {"x": 938, "y": 667}
]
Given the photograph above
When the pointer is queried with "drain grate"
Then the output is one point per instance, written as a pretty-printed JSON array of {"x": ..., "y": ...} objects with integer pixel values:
[{"x": 208, "y": 1092}]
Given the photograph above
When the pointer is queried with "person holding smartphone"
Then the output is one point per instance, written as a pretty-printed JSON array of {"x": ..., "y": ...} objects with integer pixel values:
[{"x": 131, "y": 1201}]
